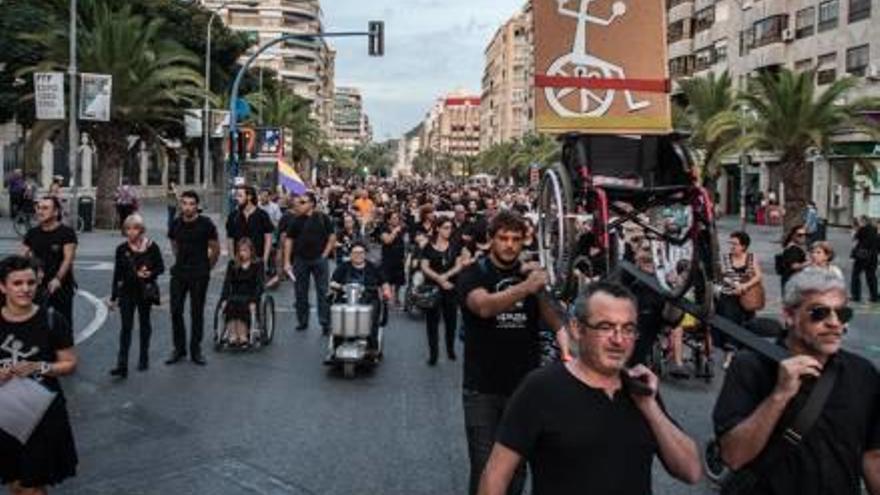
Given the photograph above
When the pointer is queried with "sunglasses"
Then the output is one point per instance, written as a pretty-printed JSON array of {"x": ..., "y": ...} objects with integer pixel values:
[{"x": 822, "y": 313}]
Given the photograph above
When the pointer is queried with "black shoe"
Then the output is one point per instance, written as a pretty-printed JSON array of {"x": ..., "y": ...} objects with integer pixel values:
[
  {"x": 199, "y": 360},
  {"x": 451, "y": 355},
  {"x": 175, "y": 358},
  {"x": 301, "y": 328},
  {"x": 325, "y": 330},
  {"x": 432, "y": 361},
  {"x": 119, "y": 372},
  {"x": 143, "y": 366}
]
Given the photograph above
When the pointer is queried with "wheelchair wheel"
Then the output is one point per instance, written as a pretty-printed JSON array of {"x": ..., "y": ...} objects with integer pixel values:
[
  {"x": 658, "y": 359},
  {"x": 267, "y": 318},
  {"x": 556, "y": 228},
  {"x": 218, "y": 327}
]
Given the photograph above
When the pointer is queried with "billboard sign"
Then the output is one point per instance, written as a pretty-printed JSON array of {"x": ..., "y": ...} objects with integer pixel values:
[
  {"x": 600, "y": 67},
  {"x": 49, "y": 95},
  {"x": 94, "y": 100}
]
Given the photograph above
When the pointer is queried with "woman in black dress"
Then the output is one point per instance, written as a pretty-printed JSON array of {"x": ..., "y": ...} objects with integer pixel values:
[
  {"x": 36, "y": 344},
  {"x": 440, "y": 264},
  {"x": 138, "y": 264},
  {"x": 394, "y": 254},
  {"x": 242, "y": 289}
]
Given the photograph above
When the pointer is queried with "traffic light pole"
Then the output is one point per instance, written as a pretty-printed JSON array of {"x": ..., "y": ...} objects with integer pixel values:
[{"x": 376, "y": 35}]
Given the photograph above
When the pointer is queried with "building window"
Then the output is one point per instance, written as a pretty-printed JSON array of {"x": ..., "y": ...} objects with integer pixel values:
[
  {"x": 703, "y": 59},
  {"x": 670, "y": 4},
  {"x": 721, "y": 51},
  {"x": 857, "y": 60},
  {"x": 704, "y": 19},
  {"x": 681, "y": 66},
  {"x": 805, "y": 22},
  {"x": 678, "y": 31},
  {"x": 828, "y": 15},
  {"x": 769, "y": 30},
  {"x": 827, "y": 68},
  {"x": 859, "y": 9},
  {"x": 803, "y": 65},
  {"x": 746, "y": 41}
]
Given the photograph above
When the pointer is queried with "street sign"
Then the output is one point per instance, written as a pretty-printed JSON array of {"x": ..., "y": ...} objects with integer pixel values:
[
  {"x": 94, "y": 100},
  {"x": 49, "y": 95},
  {"x": 600, "y": 67}
]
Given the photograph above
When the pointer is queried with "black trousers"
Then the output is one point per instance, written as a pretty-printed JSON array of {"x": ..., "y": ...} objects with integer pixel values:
[
  {"x": 62, "y": 302},
  {"x": 869, "y": 268},
  {"x": 447, "y": 307},
  {"x": 482, "y": 416},
  {"x": 127, "y": 307},
  {"x": 197, "y": 288}
]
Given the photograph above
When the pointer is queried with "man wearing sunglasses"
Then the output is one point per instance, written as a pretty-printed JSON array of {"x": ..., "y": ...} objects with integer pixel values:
[{"x": 759, "y": 399}]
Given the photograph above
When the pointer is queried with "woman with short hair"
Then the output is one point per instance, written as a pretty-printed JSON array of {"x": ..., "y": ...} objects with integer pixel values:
[
  {"x": 138, "y": 264},
  {"x": 36, "y": 347}
]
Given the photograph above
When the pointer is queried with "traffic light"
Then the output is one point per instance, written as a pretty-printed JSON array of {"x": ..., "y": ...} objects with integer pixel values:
[{"x": 377, "y": 38}]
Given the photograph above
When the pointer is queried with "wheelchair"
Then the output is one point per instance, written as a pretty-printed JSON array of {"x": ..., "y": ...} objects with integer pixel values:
[
  {"x": 355, "y": 312},
  {"x": 613, "y": 193},
  {"x": 258, "y": 337},
  {"x": 696, "y": 348}
]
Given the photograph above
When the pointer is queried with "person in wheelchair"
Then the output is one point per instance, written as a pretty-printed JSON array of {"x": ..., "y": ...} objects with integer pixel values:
[
  {"x": 358, "y": 270},
  {"x": 241, "y": 293}
]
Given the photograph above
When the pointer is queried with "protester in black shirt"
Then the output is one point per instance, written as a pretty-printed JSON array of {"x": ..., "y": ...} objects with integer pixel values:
[
  {"x": 394, "y": 254},
  {"x": 138, "y": 264},
  {"x": 794, "y": 255},
  {"x": 196, "y": 248},
  {"x": 252, "y": 222},
  {"x": 759, "y": 400},
  {"x": 359, "y": 270},
  {"x": 53, "y": 244},
  {"x": 312, "y": 236},
  {"x": 346, "y": 236},
  {"x": 864, "y": 256},
  {"x": 36, "y": 343},
  {"x": 441, "y": 264},
  {"x": 578, "y": 426},
  {"x": 242, "y": 288},
  {"x": 500, "y": 309}
]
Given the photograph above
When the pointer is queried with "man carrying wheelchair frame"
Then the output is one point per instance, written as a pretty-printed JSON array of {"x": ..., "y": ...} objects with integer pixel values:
[{"x": 359, "y": 270}]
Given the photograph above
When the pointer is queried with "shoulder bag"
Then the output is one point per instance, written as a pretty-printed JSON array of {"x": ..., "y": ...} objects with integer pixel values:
[{"x": 754, "y": 298}]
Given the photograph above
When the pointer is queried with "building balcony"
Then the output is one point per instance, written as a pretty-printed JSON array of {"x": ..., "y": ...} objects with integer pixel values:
[
  {"x": 681, "y": 48},
  {"x": 769, "y": 55},
  {"x": 298, "y": 7},
  {"x": 684, "y": 10}
]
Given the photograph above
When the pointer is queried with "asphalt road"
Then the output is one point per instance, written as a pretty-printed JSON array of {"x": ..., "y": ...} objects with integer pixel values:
[{"x": 276, "y": 421}]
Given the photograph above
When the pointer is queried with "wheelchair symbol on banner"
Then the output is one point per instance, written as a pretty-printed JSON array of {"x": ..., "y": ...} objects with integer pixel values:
[{"x": 594, "y": 102}]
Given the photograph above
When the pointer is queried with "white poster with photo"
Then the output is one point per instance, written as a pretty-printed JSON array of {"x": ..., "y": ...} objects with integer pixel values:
[
  {"x": 94, "y": 100},
  {"x": 192, "y": 122},
  {"x": 49, "y": 95},
  {"x": 219, "y": 123}
]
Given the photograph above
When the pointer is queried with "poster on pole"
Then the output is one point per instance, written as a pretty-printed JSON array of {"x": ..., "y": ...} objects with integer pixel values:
[
  {"x": 94, "y": 100},
  {"x": 49, "y": 95},
  {"x": 600, "y": 67},
  {"x": 192, "y": 122},
  {"x": 219, "y": 123}
]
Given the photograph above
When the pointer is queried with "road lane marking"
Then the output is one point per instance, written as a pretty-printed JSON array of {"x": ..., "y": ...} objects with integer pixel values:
[{"x": 97, "y": 322}]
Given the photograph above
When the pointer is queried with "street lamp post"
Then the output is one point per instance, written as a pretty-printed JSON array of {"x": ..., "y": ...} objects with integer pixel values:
[
  {"x": 206, "y": 112},
  {"x": 73, "y": 130},
  {"x": 743, "y": 164}
]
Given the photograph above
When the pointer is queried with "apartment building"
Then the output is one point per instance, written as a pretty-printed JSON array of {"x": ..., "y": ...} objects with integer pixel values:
[
  {"x": 507, "y": 99},
  {"x": 452, "y": 126},
  {"x": 306, "y": 66},
  {"x": 835, "y": 38},
  {"x": 351, "y": 125}
]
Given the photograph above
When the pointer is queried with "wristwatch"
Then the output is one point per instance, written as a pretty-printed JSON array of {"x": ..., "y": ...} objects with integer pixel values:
[{"x": 45, "y": 368}]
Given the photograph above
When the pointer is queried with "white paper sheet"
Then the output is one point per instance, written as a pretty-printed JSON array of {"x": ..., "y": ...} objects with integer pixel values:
[{"x": 23, "y": 403}]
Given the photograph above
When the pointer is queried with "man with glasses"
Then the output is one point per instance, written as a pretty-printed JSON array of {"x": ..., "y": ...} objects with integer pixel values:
[
  {"x": 759, "y": 398},
  {"x": 54, "y": 245},
  {"x": 579, "y": 425},
  {"x": 313, "y": 238}
]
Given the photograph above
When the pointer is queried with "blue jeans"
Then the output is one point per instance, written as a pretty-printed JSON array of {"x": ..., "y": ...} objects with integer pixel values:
[
  {"x": 482, "y": 416},
  {"x": 304, "y": 270}
]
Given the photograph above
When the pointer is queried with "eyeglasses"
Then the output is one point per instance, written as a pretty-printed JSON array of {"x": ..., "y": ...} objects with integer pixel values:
[
  {"x": 821, "y": 313},
  {"x": 606, "y": 329},
  {"x": 801, "y": 234},
  {"x": 358, "y": 252}
]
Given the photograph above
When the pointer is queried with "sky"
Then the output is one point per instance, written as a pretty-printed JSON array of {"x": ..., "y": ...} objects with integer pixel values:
[{"x": 431, "y": 48}]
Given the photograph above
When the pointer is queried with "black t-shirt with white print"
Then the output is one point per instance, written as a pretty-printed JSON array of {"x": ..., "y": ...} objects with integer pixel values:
[
  {"x": 498, "y": 351},
  {"x": 34, "y": 340}
]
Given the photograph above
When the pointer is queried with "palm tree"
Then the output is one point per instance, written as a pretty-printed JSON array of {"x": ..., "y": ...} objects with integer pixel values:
[
  {"x": 154, "y": 79},
  {"x": 789, "y": 117},
  {"x": 707, "y": 98},
  {"x": 531, "y": 149},
  {"x": 282, "y": 108}
]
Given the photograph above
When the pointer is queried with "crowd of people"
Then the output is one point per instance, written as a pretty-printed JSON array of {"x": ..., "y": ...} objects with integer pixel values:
[{"x": 591, "y": 415}]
